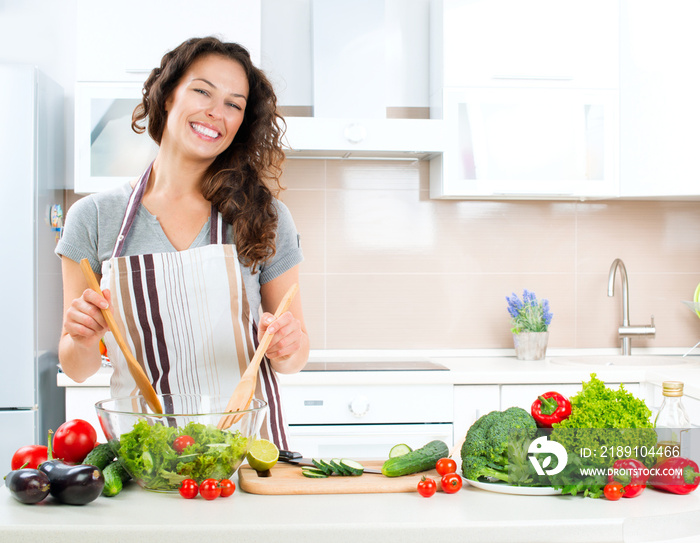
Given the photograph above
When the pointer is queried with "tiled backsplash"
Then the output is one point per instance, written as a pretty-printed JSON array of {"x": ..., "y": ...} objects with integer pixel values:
[{"x": 386, "y": 267}]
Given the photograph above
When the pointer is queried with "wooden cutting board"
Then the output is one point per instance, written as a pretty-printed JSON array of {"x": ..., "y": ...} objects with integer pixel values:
[{"x": 287, "y": 479}]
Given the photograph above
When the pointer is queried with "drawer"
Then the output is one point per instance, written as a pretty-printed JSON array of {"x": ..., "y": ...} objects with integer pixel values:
[
  {"x": 368, "y": 404},
  {"x": 364, "y": 440}
]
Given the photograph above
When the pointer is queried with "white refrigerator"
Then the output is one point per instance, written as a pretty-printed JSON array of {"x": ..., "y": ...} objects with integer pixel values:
[{"x": 32, "y": 175}]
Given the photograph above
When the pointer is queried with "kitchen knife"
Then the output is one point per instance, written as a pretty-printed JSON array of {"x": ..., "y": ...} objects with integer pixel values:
[{"x": 296, "y": 458}]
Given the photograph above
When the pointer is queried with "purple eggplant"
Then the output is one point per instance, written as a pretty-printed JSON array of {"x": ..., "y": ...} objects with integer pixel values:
[
  {"x": 73, "y": 484},
  {"x": 27, "y": 485}
]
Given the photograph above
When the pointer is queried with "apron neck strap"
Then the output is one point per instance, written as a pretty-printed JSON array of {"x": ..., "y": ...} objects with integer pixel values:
[{"x": 217, "y": 225}]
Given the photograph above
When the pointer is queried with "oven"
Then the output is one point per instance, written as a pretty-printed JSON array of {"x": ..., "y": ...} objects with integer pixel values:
[{"x": 368, "y": 408}]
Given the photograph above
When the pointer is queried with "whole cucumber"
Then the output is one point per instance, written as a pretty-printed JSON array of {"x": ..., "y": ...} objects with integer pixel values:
[
  {"x": 73, "y": 484},
  {"x": 415, "y": 461},
  {"x": 101, "y": 456}
]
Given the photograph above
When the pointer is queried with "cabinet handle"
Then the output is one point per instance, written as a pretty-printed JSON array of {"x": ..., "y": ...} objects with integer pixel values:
[
  {"x": 534, "y": 77},
  {"x": 138, "y": 70}
]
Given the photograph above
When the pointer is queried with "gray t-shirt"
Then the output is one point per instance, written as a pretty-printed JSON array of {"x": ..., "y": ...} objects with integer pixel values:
[{"x": 93, "y": 222}]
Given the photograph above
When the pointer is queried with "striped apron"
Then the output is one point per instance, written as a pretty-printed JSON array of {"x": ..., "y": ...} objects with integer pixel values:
[{"x": 186, "y": 317}]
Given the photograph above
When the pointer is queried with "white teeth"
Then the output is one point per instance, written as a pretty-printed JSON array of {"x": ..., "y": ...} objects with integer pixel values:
[{"x": 204, "y": 130}]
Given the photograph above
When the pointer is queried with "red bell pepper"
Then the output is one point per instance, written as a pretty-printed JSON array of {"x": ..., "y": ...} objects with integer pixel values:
[
  {"x": 550, "y": 408},
  {"x": 677, "y": 475},
  {"x": 632, "y": 474}
]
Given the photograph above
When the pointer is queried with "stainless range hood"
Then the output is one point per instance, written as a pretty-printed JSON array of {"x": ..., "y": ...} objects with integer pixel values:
[{"x": 349, "y": 72}]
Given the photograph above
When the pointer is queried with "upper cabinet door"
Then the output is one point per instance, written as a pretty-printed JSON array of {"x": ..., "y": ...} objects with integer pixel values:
[
  {"x": 125, "y": 41},
  {"x": 567, "y": 43},
  {"x": 659, "y": 98}
]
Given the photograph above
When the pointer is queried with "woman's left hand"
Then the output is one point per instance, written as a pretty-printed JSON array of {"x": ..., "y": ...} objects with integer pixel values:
[{"x": 287, "y": 338}]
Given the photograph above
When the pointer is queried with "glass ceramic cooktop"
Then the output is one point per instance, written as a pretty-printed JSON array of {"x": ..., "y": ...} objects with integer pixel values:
[{"x": 415, "y": 365}]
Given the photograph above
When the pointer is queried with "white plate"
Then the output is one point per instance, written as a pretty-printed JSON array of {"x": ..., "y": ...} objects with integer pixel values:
[{"x": 503, "y": 488}]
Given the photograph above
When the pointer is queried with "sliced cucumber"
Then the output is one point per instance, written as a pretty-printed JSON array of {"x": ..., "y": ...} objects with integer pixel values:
[
  {"x": 399, "y": 450},
  {"x": 338, "y": 468},
  {"x": 326, "y": 467},
  {"x": 313, "y": 473},
  {"x": 355, "y": 468},
  {"x": 322, "y": 466}
]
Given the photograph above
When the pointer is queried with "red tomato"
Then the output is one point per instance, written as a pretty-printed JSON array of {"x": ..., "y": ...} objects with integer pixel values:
[
  {"x": 445, "y": 466},
  {"x": 29, "y": 457},
  {"x": 228, "y": 487},
  {"x": 74, "y": 440},
  {"x": 182, "y": 442},
  {"x": 210, "y": 489},
  {"x": 427, "y": 487},
  {"x": 188, "y": 489},
  {"x": 613, "y": 491},
  {"x": 451, "y": 483}
]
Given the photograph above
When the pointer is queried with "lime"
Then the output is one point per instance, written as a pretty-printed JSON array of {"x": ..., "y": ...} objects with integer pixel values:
[
  {"x": 696, "y": 299},
  {"x": 262, "y": 455}
]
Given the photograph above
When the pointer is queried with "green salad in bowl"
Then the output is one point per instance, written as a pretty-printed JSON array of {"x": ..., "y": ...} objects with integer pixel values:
[{"x": 160, "y": 451}]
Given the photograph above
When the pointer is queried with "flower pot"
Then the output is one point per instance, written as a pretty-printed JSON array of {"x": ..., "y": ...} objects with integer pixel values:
[{"x": 530, "y": 345}]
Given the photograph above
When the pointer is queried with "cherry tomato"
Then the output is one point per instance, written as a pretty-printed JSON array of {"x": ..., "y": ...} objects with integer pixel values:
[
  {"x": 74, "y": 440},
  {"x": 445, "y": 466},
  {"x": 188, "y": 489},
  {"x": 29, "y": 457},
  {"x": 182, "y": 442},
  {"x": 210, "y": 489},
  {"x": 613, "y": 491},
  {"x": 228, "y": 487},
  {"x": 451, "y": 483},
  {"x": 427, "y": 487}
]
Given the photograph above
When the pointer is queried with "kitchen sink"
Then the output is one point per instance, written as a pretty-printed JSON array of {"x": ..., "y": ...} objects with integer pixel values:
[{"x": 620, "y": 360}]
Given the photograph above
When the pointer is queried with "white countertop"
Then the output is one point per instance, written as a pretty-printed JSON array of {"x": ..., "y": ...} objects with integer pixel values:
[
  {"x": 472, "y": 370},
  {"x": 471, "y": 514}
]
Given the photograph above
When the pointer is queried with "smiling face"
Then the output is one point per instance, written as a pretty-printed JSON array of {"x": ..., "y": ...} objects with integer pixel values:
[{"x": 206, "y": 108}]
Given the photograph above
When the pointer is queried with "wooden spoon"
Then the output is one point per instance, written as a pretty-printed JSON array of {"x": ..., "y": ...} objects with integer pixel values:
[
  {"x": 135, "y": 368},
  {"x": 243, "y": 393}
]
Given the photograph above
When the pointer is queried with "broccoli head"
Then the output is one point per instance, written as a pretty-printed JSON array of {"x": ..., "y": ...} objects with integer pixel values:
[{"x": 496, "y": 443}]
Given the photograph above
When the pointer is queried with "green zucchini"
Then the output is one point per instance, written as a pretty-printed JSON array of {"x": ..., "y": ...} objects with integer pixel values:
[
  {"x": 115, "y": 476},
  {"x": 100, "y": 457},
  {"x": 415, "y": 461}
]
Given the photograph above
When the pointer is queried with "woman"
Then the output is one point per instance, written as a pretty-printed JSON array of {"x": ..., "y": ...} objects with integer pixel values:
[{"x": 192, "y": 303}]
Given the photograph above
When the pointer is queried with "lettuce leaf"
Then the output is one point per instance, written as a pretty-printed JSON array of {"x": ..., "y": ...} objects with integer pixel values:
[{"x": 148, "y": 455}]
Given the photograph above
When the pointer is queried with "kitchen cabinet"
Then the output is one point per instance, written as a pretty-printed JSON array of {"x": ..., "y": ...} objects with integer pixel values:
[
  {"x": 528, "y": 94},
  {"x": 125, "y": 44},
  {"x": 516, "y": 44},
  {"x": 527, "y": 143},
  {"x": 470, "y": 403},
  {"x": 659, "y": 108},
  {"x": 80, "y": 404}
]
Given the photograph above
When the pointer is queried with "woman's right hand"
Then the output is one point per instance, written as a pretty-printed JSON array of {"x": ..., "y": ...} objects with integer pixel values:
[
  {"x": 83, "y": 320},
  {"x": 83, "y": 324}
]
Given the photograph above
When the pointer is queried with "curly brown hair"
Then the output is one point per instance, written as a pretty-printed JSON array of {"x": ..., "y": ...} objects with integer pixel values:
[{"x": 243, "y": 181}]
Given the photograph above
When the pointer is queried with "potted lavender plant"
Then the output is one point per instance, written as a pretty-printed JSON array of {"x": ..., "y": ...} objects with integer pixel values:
[{"x": 530, "y": 319}]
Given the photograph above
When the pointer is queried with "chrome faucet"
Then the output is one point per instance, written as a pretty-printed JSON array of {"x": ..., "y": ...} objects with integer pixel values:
[{"x": 627, "y": 332}]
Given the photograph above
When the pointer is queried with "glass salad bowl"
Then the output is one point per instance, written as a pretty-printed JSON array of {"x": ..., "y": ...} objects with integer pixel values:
[{"x": 160, "y": 451}]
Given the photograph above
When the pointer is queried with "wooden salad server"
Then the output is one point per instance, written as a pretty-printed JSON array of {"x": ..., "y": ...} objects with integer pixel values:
[
  {"x": 243, "y": 393},
  {"x": 135, "y": 368}
]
